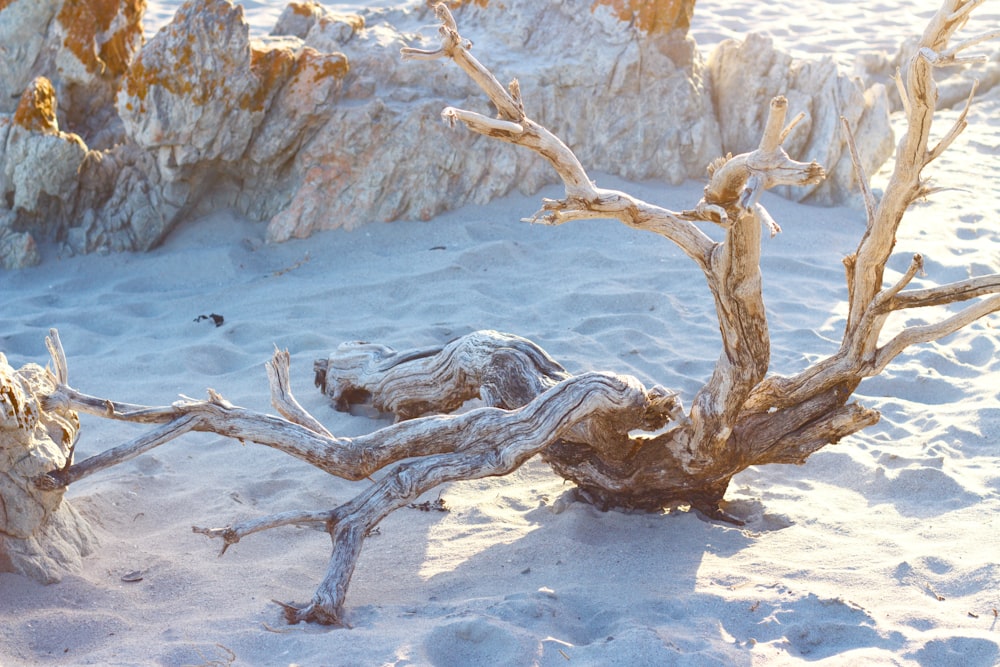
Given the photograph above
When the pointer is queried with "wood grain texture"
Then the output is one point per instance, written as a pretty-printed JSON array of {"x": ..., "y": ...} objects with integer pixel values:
[{"x": 623, "y": 444}]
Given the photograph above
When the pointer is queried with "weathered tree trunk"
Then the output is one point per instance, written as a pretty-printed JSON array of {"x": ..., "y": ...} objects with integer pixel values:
[
  {"x": 589, "y": 427},
  {"x": 479, "y": 443},
  {"x": 739, "y": 418},
  {"x": 41, "y": 535}
]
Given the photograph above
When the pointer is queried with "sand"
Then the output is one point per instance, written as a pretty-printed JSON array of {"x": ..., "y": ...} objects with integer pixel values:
[{"x": 882, "y": 550}]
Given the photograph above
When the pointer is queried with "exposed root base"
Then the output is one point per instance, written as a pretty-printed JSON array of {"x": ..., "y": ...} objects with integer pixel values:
[
  {"x": 707, "y": 503},
  {"x": 311, "y": 613}
]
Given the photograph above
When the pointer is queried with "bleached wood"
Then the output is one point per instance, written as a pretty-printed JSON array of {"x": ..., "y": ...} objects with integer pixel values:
[
  {"x": 945, "y": 294},
  {"x": 492, "y": 127},
  {"x": 925, "y": 333},
  {"x": 583, "y": 198},
  {"x": 58, "y": 479},
  {"x": 481, "y": 442},
  {"x": 901, "y": 89},
  {"x": 498, "y": 443},
  {"x": 746, "y": 176},
  {"x": 282, "y": 398},
  {"x": 736, "y": 394},
  {"x": 59, "y": 366},
  {"x": 948, "y": 56},
  {"x": 623, "y": 445},
  {"x": 869, "y": 303},
  {"x": 230, "y": 535},
  {"x": 957, "y": 128},
  {"x": 905, "y": 184},
  {"x": 433, "y": 380},
  {"x": 871, "y": 204},
  {"x": 791, "y": 126}
]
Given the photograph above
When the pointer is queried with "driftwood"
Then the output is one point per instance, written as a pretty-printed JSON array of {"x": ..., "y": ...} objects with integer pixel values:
[
  {"x": 41, "y": 536},
  {"x": 623, "y": 444}
]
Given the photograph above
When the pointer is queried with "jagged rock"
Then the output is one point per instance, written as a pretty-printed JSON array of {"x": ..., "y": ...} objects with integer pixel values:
[
  {"x": 360, "y": 167},
  {"x": 17, "y": 249},
  {"x": 39, "y": 159},
  {"x": 191, "y": 94},
  {"x": 321, "y": 125},
  {"x": 74, "y": 51},
  {"x": 124, "y": 203},
  {"x": 82, "y": 46},
  {"x": 284, "y": 129},
  {"x": 39, "y": 172},
  {"x": 41, "y": 535},
  {"x": 745, "y": 75},
  {"x": 954, "y": 83}
]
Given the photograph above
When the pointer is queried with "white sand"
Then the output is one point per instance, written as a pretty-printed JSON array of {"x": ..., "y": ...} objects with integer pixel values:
[{"x": 842, "y": 561}]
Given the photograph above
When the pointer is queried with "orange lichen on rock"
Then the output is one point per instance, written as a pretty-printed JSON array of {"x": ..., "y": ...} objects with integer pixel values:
[
  {"x": 141, "y": 78},
  {"x": 356, "y": 21},
  {"x": 272, "y": 67},
  {"x": 202, "y": 55},
  {"x": 308, "y": 8},
  {"x": 180, "y": 79},
  {"x": 37, "y": 108},
  {"x": 652, "y": 16},
  {"x": 324, "y": 65},
  {"x": 455, "y": 4},
  {"x": 87, "y": 24}
]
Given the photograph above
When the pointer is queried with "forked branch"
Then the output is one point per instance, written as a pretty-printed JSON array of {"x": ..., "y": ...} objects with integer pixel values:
[
  {"x": 624, "y": 445},
  {"x": 583, "y": 199},
  {"x": 919, "y": 93},
  {"x": 482, "y": 442},
  {"x": 870, "y": 303}
]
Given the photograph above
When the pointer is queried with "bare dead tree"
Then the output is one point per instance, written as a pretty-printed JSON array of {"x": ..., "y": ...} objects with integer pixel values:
[
  {"x": 584, "y": 426},
  {"x": 740, "y": 417}
]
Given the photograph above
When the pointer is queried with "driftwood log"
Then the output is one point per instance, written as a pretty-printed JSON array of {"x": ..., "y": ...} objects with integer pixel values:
[{"x": 623, "y": 444}]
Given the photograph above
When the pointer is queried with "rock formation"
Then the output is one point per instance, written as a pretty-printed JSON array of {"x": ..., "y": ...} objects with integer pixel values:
[
  {"x": 745, "y": 75},
  {"x": 42, "y": 163},
  {"x": 60, "y": 66},
  {"x": 82, "y": 46},
  {"x": 316, "y": 126},
  {"x": 357, "y": 168}
]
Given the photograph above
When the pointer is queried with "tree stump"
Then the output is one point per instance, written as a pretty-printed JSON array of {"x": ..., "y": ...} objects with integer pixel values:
[{"x": 41, "y": 535}]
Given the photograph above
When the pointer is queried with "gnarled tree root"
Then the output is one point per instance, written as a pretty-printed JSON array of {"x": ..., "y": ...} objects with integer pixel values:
[{"x": 482, "y": 442}]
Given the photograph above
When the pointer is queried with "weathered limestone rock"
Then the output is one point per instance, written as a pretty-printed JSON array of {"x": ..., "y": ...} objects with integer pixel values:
[
  {"x": 40, "y": 160},
  {"x": 746, "y": 74},
  {"x": 360, "y": 165},
  {"x": 41, "y": 535},
  {"x": 189, "y": 96},
  {"x": 82, "y": 46},
  {"x": 76, "y": 51},
  {"x": 224, "y": 115},
  {"x": 284, "y": 129},
  {"x": 17, "y": 249},
  {"x": 321, "y": 125},
  {"x": 123, "y": 202},
  {"x": 39, "y": 173}
]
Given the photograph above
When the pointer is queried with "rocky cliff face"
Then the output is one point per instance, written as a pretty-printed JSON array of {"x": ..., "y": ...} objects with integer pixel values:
[{"x": 320, "y": 125}]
